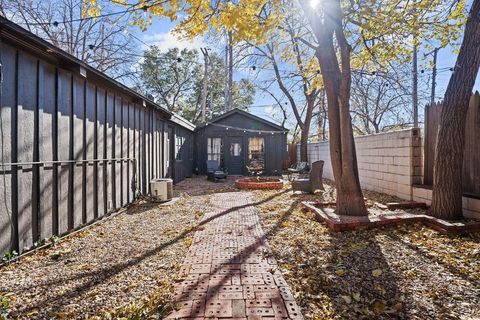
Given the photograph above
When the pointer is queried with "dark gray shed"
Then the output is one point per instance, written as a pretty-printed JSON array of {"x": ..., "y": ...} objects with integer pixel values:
[{"x": 238, "y": 139}]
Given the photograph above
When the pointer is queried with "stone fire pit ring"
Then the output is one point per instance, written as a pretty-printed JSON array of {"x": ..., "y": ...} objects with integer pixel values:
[{"x": 259, "y": 183}]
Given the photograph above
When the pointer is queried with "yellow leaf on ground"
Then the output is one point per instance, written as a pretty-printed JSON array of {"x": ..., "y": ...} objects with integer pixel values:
[
  {"x": 356, "y": 296},
  {"x": 340, "y": 272},
  {"x": 377, "y": 273}
]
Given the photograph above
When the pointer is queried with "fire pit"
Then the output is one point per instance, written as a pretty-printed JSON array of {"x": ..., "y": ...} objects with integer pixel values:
[{"x": 259, "y": 183}]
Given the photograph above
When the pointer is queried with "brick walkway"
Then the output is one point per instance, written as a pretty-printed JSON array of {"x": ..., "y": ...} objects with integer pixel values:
[{"x": 229, "y": 271}]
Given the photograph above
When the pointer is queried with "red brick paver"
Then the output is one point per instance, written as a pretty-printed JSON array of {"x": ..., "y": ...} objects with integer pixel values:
[{"x": 229, "y": 271}]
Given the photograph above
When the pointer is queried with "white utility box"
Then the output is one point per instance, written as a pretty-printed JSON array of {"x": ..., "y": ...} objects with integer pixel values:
[{"x": 161, "y": 189}]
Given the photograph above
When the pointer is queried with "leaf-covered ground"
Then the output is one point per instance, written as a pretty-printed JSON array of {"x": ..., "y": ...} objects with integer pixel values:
[
  {"x": 125, "y": 266},
  {"x": 409, "y": 272}
]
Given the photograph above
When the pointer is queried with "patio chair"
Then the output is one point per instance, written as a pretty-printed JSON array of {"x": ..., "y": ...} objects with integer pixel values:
[
  {"x": 214, "y": 172},
  {"x": 299, "y": 167},
  {"x": 314, "y": 181}
]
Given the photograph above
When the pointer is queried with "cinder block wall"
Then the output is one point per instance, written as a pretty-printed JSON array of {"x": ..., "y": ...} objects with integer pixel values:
[
  {"x": 391, "y": 163},
  {"x": 388, "y": 162}
]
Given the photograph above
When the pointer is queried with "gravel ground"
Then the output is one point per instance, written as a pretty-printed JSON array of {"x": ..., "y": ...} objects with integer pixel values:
[
  {"x": 123, "y": 266},
  {"x": 411, "y": 272}
]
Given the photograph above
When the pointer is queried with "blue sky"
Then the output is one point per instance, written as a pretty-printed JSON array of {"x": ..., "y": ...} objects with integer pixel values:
[{"x": 160, "y": 33}]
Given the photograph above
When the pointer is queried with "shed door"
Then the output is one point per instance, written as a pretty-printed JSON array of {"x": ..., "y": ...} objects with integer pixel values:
[{"x": 234, "y": 159}]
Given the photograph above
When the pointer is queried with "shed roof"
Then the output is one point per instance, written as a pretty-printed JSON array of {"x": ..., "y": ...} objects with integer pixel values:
[{"x": 246, "y": 114}]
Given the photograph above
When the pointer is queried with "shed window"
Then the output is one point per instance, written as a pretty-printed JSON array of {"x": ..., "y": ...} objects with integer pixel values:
[
  {"x": 214, "y": 149},
  {"x": 178, "y": 147},
  {"x": 256, "y": 153},
  {"x": 235, "y": 149}
]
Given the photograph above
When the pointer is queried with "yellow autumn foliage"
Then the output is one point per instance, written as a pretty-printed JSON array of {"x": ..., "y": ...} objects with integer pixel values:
[{"x": 380, "y": 31}]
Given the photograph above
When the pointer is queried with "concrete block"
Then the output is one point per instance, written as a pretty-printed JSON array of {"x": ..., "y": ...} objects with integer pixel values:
[
  {"x": 386, "y": 185},
  {"x": 416, "y": 142},
  {"x": 472, "y": 204},
  {"x": 417, "y": 161},
  {"x": 416, "y": 151},
  {"x": 383, "y": 168},
  {"x": 405, "y": 180},
  {"x": 471, "y": 214},
  {"x": 401, "y": 161},
  {"x": 389, "y": 177},
  {"x": 403, "y": 188},
  {"x": 422, "y": 193},
  {"x": 387, "y": 160},
  {"x": 417, "y": 171},
  {"x": 405, "y": 196}
]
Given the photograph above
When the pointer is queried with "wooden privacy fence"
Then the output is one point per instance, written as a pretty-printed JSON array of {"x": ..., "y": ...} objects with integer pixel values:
[{"x": 471, "y": 162}]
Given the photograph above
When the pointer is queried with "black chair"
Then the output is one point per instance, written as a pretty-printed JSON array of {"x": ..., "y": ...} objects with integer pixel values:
[
  {"x": 214, "y": 172},
  {"x": 299, "y": 168}
]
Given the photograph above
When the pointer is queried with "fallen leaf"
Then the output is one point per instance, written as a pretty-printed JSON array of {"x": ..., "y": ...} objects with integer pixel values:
[
  {"x": 347, "y": 299},
  {"x": 377, "y": 273},
  {"x": 378, "y": 306},
  {"x": 340, "y": 272},
  {"x": 356, "y": 296}
]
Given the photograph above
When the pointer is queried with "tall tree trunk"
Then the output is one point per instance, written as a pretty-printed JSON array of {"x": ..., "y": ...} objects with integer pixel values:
[
  {"x": 337, "y": 87},
  {"x": 305, "y": 127},
  {"x": 447, "y": 169},
  {"x": 321, "y": 117},
  {"x": 304, "y": 146}
]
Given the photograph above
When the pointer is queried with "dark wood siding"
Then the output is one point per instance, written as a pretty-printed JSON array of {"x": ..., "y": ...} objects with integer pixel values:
[{"x": 86, "y": 148}]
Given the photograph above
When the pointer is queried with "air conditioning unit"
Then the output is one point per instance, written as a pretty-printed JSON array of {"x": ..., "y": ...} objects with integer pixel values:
[{"x": 161, "y": 189}]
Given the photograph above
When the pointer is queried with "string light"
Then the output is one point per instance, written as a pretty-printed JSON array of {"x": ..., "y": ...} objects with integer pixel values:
[
  {"x": 245, "y": 130},
  {"x": 56, "y": 23}
]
